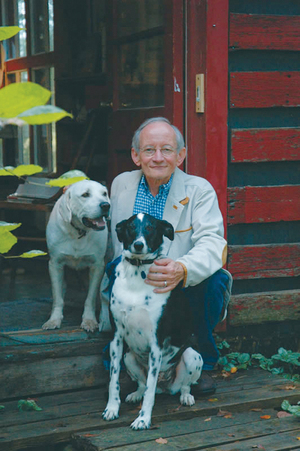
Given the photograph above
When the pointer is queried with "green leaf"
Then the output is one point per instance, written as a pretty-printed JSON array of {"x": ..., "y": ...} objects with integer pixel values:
[
  {"x": 2, "y": 407},
  {"x": 223, "y": 361},
  {"x": 8, "y": 240},
  {"x": 285, "y": 405},
  {"x": 65, "y": 182},
  {"x": 9, "y": 32},
  {"x": 31, "y": 254},
  {"x": 243, "y": 358},
  {"x": 44, "y": 114},
  {"x": 28, "y": 404},
  {"x": 19, "y": 97}
]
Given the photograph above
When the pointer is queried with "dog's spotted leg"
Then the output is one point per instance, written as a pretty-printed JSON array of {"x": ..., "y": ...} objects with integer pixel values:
[
  {"x": 89, "y": 321},
  {"x": 56, "y": 272},
  {"x": 136, "y": 372},
  {"x": 188, "y": 372},
  {"x": 116, "y": 349},
  {"x": 143, "y": 421}
]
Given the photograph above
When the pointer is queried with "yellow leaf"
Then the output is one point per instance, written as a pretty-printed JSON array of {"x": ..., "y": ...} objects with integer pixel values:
[
  {"x": 64, "y": 182},
  {"x": 19, "y": 97},
  {"x": 208, "y": 419},
  {"x": 265, "y": 417},
  {"x": 213, "y": 399},
  {"x": 8, "y": 226},
  {"x": 8, "y": 240},
  {"x": 31, "y": 254},
  {"x": 233, "y": 370}
]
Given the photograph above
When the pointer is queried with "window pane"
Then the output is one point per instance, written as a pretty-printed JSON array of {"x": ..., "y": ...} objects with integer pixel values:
[
  {"x": 141, "y": 73},
  {"x": 44, "y": 135},
  {"x": 42, "y": 22},
  {"x": 139, "y": 15},
  {"x": 13, "y": 13},
  {"x": 23, "y": 134}
]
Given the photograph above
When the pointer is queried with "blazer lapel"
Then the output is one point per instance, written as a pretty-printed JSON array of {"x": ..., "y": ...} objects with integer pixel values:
[{"x": 174, "y": 207}]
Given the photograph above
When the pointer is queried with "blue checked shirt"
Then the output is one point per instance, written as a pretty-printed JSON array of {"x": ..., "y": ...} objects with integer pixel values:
[{"x": 146, "y": 203}]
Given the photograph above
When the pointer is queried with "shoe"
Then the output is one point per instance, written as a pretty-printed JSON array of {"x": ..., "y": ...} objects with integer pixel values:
[{"x": 205, "y": 386}]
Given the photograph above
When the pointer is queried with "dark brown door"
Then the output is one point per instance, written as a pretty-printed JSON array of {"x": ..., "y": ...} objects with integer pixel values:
[{"x": 147, "y": 65}]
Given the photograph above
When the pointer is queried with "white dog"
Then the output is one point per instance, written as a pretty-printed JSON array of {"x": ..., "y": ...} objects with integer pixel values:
[{"x": 77, "y": 237}]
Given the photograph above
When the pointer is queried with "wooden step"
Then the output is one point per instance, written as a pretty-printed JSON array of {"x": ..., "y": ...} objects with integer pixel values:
[
  {"x": 35, "y": 362},
  {"x": 78, "y": 414}
]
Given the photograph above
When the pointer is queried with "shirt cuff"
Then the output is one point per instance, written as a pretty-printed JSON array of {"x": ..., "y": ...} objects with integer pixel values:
[{"x": 185, "y": 273}]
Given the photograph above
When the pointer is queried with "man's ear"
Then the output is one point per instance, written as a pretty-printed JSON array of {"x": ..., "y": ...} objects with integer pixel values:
[
  {"x": 120, "y": 229},
  {"x": 135, "y": 157},
  {"x": 181, "y": 156},
  {"x": 168, "y": 230}
]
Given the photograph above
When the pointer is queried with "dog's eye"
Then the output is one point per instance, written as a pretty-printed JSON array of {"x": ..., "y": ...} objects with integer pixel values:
[
  {"x": 149, "y": 227},
  {"x": 105, "y": 194},
  {"x": 87, "y": 194}
]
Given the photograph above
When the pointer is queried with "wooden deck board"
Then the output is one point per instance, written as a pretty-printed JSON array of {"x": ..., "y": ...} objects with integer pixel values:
[{"x": 79, "y": 412}]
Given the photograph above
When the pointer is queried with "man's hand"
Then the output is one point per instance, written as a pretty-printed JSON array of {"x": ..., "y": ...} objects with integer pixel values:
[{"x": 165, "y": 270}]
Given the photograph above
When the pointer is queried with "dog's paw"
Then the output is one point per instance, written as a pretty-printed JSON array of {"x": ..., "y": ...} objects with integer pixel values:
[
  {"x": 52, "y": 324},
  {"x": 140, "y": 423},
  {"x": 136, "y": 396},
  {"x": 111, "y": 413},
  {"x": 89, "y": 324},
  {"x": 187, "y": 399}
]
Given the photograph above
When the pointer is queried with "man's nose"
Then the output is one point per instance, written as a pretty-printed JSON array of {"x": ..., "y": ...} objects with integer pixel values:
[{"x": 158, "y": 156}]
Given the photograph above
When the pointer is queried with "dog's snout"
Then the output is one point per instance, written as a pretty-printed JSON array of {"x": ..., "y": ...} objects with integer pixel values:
[
  {"x": 138, "y": 245},
  {"x": 105, "y": 207}
]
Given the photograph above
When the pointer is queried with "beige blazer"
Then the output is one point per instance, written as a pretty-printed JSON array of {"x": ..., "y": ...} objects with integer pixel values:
[{"x": 192, "y": 208}]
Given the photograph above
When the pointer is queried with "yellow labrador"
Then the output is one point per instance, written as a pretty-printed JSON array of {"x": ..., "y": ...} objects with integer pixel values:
[{"x": 77, "y": 237}]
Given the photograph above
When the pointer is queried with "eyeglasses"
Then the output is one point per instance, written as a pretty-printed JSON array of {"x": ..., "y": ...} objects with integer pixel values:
[{"x": 165, "y": 151}]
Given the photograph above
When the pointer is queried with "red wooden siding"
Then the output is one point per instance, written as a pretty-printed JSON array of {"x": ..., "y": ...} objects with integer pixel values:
[
  {"x": 258, "y": 79},
  {"x": 257, "y": 31},
  {"x": 269, "y": 144},
  {"x": 257, "y": 308},
  {"x": 264, "y": 89},
  {"x": 258, "y": 204},
  {"x": 273, "y": 260}
]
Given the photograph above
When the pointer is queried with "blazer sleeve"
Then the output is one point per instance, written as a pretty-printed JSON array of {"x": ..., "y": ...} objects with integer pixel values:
[{"x": 208, "y": 251}]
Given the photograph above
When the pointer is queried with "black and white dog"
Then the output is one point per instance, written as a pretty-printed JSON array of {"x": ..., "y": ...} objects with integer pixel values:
[{"x": 157, "y": 327}]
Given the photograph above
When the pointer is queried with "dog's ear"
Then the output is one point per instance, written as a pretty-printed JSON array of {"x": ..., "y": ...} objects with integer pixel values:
[
  {"x": 65, "y": 206},
  {"x": 120, "y": 229},
  {"x": 168, "y": 230}
]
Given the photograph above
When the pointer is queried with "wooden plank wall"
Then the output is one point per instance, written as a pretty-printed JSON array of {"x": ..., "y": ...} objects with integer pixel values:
[{"x": 264, "y": 161}]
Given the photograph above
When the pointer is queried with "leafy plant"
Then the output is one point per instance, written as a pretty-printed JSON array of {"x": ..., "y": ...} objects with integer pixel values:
[
  {"x": 28, "y": 404},
  {"x": 294, "y": 410},
  {"x": 285, "y": 363},
  {"x": 20, "y": 104}
]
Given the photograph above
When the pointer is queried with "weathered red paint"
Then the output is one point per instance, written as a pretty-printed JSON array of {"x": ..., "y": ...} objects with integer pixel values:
[
  {"x": 257, "y": 308},
  {"x": 207, "y": 53},
  {"x": 259, "y": 204},
  {"x": 264, "y": 89},
  {"x": 258, "y": 31},
  {"x": 265, "y": 144},
  {"x": 264, "y": 261}
]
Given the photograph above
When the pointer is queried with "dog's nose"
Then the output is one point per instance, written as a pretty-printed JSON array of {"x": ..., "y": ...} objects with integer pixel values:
[
  {"x": 138, "y": 245},
  {"x": 105, "y": 206}
]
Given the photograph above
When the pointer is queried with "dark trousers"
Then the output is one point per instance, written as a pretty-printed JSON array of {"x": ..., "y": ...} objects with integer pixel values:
[{"x": 207, "y": 300}]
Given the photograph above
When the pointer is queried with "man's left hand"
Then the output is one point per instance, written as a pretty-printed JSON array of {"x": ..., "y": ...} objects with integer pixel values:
[{"x": 165, "y": 274}]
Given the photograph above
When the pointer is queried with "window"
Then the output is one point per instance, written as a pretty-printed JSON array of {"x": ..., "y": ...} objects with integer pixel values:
[{"x": 30, "y": 57}]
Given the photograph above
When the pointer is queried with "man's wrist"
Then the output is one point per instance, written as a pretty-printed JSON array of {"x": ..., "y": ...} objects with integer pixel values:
[{"x": 184, "y": 273}]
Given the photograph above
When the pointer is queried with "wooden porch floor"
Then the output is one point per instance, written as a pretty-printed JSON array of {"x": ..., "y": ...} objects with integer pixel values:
[{"x": 241, "y": 415}]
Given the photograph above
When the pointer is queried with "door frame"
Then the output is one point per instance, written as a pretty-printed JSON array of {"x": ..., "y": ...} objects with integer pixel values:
[{"x": 207, "y": 133}]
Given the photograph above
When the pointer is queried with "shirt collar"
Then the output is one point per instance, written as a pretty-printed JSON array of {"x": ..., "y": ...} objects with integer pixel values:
[{"x": 163, "y": 189}]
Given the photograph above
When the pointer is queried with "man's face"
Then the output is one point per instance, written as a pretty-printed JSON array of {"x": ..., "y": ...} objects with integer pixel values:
[{"x": 158, "y": 155}]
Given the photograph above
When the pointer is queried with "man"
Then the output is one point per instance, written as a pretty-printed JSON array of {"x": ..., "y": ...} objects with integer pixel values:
[{"x": 189, "y": 203}]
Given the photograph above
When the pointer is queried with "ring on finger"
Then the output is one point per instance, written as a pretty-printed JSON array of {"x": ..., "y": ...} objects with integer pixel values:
[{"x": 165, "y": 283}]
